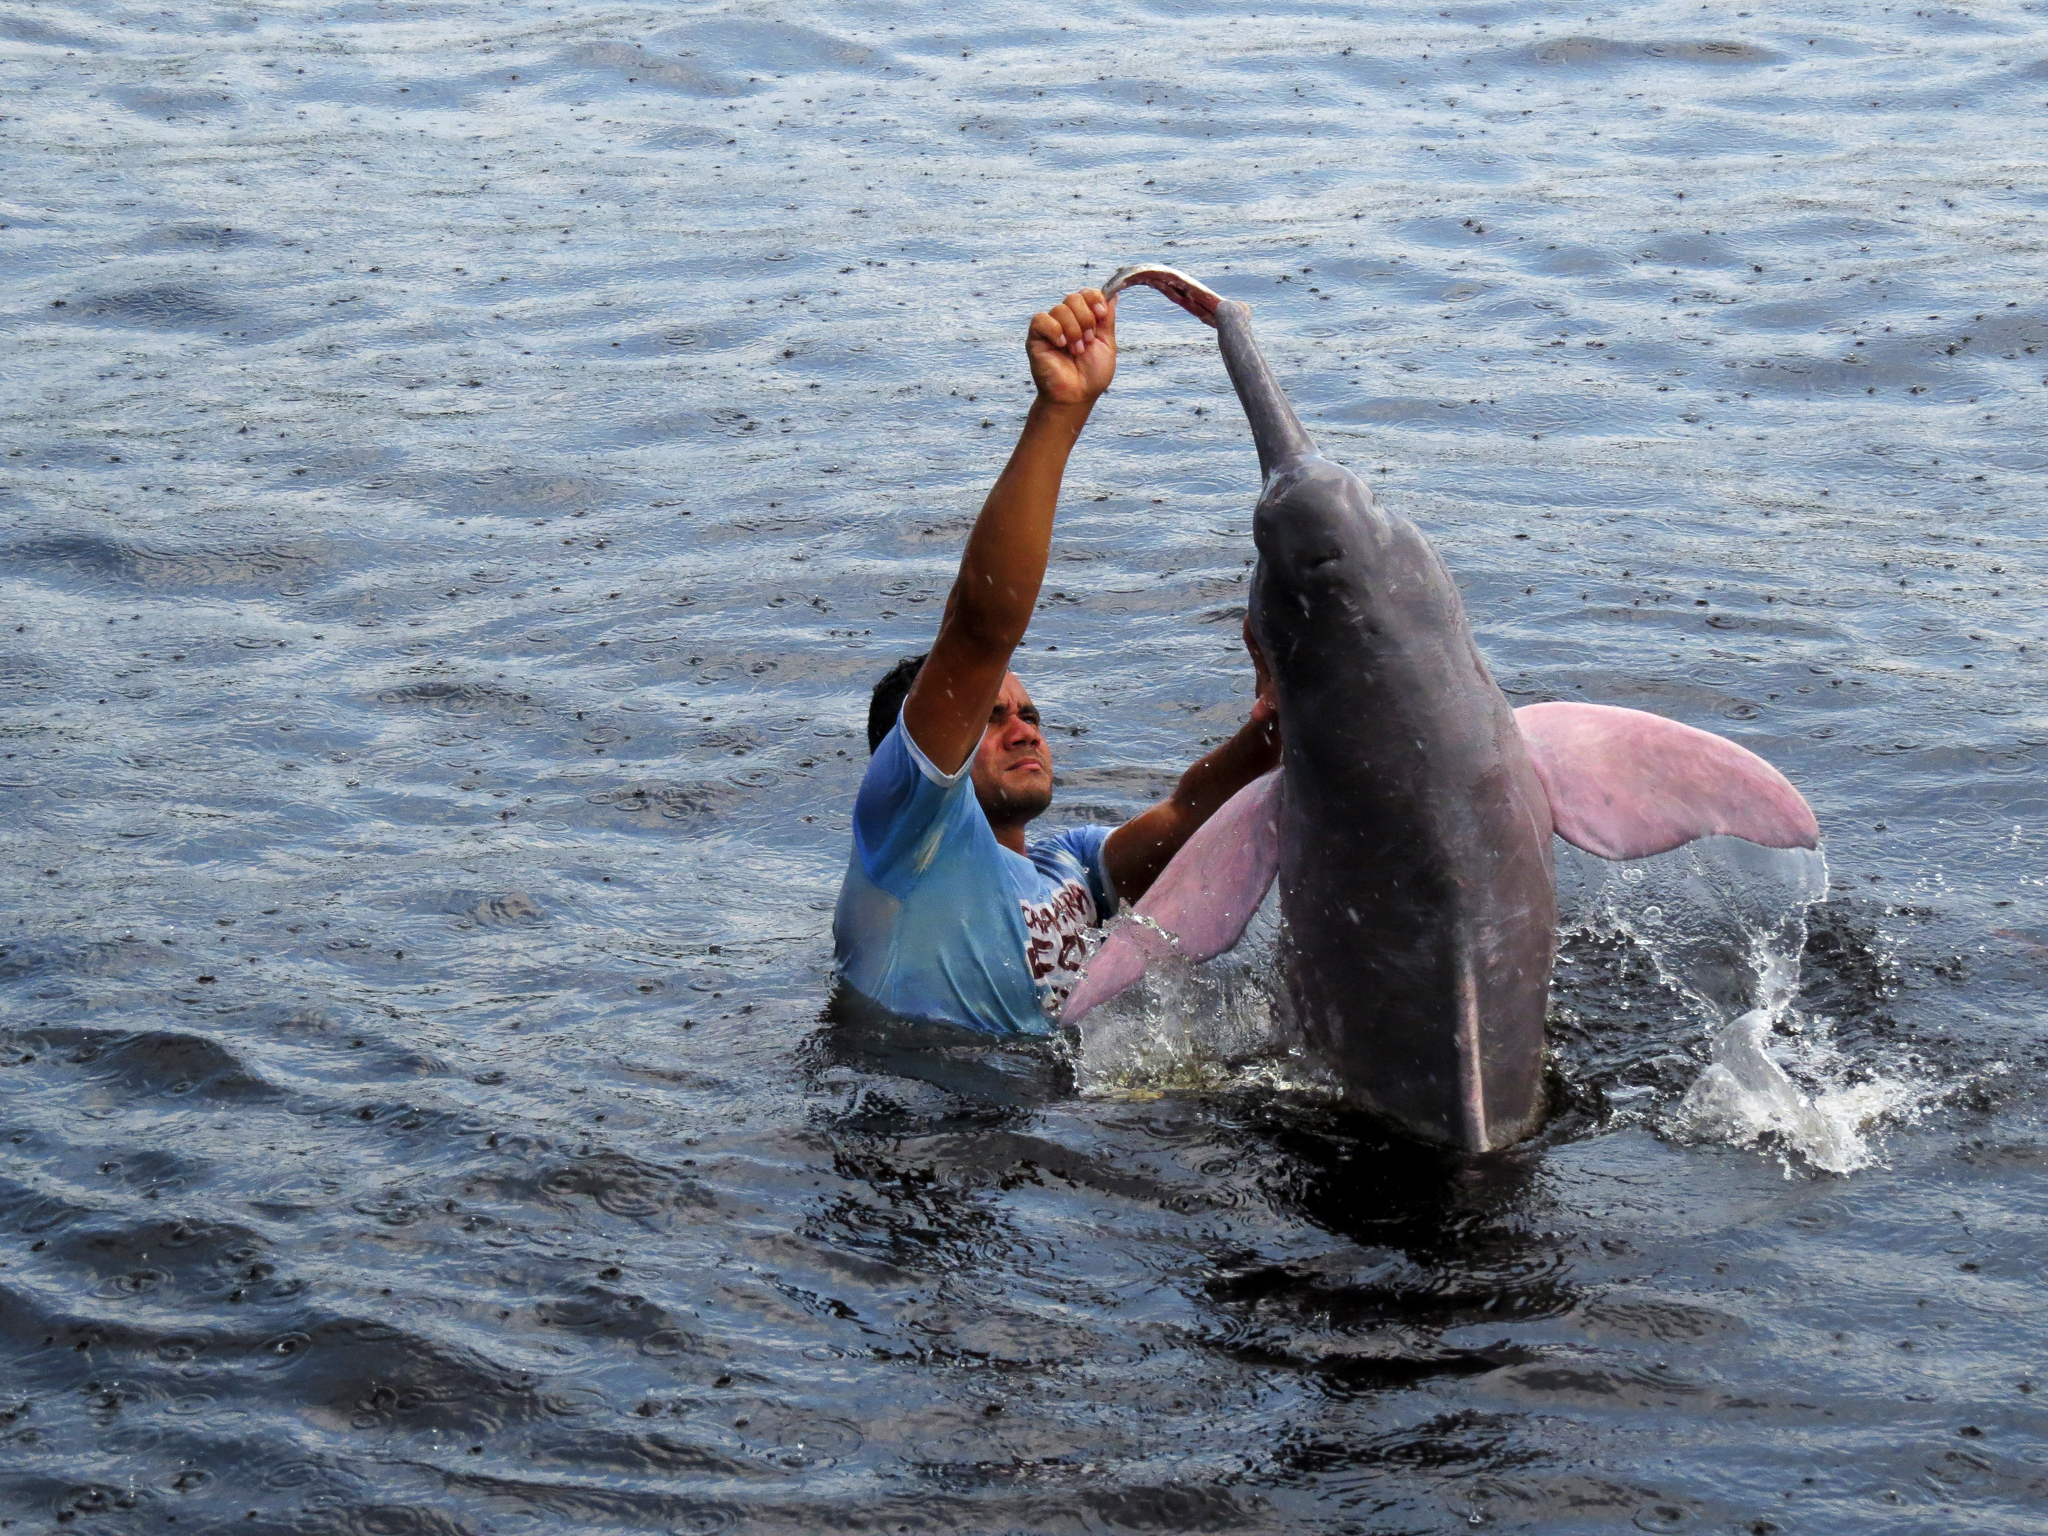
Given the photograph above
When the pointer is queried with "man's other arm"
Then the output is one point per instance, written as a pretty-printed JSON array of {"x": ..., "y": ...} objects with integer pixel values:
[{"x": 1139, "y": 849}]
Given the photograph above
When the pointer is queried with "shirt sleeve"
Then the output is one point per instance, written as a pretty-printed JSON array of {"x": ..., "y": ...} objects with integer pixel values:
[
  {"x": 1086, "y": 845},
  {"x": 900, "y": 811}
]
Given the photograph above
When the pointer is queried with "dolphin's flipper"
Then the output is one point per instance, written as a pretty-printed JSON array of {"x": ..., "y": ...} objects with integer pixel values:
[
  {"x": 1203, "y": 898},
  {"x": 1624, "y": 784}
]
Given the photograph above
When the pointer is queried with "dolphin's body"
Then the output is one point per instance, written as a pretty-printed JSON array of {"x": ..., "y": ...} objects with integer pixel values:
[{"x": 1409, "y": 824}]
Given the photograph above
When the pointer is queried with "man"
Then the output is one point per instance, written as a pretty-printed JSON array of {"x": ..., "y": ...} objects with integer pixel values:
[{"x": 947, "y": 912}]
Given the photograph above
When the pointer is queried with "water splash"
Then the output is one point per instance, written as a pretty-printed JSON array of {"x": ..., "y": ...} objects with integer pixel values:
[
  {"x": 1724, "y": 923},
  {"x": 1747, "y": 1096},
  {"x": 1184, "y": 1027}
]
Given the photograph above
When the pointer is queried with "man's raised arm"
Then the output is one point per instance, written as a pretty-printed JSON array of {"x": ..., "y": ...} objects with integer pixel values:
[{"x": 1072, "y": 348}]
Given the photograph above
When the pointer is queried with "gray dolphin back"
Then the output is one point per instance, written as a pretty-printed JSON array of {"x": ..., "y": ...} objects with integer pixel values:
[{"x": 1415, "y": 868}]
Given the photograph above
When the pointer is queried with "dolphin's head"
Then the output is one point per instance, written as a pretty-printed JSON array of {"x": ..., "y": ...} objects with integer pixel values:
[
  {"x": 1316, "y": 528},
  {"x": 1314, "y": 525},
  {"x": 1320, "y": 538}
]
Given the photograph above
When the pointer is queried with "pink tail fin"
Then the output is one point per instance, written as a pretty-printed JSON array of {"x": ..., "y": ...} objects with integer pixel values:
[
  {"x": 1203, "y": 898},
  {"x": 1624, "y": 784}
]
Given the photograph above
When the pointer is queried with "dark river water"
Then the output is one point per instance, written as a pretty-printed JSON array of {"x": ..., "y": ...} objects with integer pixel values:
[{"x": 461, "y": 468}]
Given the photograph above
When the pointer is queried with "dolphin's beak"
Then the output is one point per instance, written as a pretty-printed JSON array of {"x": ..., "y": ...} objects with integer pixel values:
[{"x": 1197, "y": 299}]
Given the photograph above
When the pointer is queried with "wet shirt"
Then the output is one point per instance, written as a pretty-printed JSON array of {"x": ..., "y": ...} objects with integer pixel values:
[{"x": 938, "y": 920}]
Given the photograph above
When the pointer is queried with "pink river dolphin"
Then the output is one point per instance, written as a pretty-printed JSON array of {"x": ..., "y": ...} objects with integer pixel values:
[{"x": 1409, "y": 824}]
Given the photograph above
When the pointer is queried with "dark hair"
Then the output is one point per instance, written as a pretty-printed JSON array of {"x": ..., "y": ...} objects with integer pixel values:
[{"x": 889, "y": 695}]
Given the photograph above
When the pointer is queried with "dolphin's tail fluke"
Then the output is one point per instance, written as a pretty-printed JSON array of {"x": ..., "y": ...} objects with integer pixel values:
[{"x": 1275, "y": 428}]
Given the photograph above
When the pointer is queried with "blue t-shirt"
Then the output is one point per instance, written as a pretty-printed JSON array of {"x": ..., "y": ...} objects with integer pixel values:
[{"x": 938, "y": 920}]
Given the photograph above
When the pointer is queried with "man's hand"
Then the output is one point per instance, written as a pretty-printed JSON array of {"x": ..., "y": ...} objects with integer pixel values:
[
  {"x": 1072, "y": 348},
  {"x": 1267, "y": 705}
]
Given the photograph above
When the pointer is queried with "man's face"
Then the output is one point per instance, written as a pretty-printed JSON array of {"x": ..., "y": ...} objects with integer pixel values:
[{"x": 1013, "y": 765}]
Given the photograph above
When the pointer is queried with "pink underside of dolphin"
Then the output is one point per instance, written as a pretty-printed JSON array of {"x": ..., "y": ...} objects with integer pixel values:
[{"x": 1622, "y": 784}]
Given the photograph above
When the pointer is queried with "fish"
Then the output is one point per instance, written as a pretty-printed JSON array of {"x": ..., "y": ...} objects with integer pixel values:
[{"x": 1409, "y": 825}]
